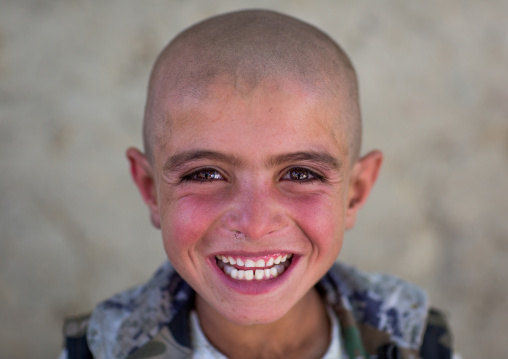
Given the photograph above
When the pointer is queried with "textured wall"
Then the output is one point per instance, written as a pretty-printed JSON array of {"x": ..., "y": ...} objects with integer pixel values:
[{"x": 73, "y": 230}]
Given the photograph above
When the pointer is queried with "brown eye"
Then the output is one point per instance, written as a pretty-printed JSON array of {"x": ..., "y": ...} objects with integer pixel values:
[
  {"x": 204, "y": 175},
  {"x": 299, "y": 174}
]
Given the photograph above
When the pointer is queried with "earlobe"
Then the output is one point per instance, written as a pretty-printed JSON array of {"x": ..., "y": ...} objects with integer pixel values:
[
  {"x": 142, "y": 174},
  {"x": 363, "y": 177}
]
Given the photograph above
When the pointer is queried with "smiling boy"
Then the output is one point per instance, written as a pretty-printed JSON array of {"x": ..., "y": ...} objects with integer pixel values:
[{"x": 252, "y": 171}]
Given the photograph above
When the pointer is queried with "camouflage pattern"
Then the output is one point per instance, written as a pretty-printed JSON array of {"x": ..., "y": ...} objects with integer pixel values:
[
  {"x": 377, "y": 314},
  {"x": 130, "y": 319},
  {"x": 376, "y": 309}
]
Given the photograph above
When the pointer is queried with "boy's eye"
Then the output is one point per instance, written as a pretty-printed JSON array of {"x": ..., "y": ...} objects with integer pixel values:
[
  {"x": 299, "y": 174},
  {"x": 204, "y": 175}
]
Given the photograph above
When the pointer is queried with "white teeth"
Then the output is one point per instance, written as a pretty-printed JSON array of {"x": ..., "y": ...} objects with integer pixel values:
[
  {"x": 290, "y": 255},
  {"x": 249, "y": 274},
  {"x": 277, "y": 267},
  {"x": 241, "y": 274},
  {"x": 250, "y": 263},
  {"x": 228, "y": 269},
  {"x": 234, "y": 273},
  {"x": 259, "y": 274}
]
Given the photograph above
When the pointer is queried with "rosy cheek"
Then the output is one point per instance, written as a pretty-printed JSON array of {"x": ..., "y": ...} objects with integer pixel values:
[
  {"x": 189, "y": 219},
  {"x": 320, "y": 217}
]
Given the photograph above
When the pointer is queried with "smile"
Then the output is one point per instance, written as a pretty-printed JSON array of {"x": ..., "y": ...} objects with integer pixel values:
[{"x": 266, "y": 267}]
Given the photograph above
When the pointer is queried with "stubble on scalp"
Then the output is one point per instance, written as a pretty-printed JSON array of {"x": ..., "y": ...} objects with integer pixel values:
[{"x": 244, "y": 48}]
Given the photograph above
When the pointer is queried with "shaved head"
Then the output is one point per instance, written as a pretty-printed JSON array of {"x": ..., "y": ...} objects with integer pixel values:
[{"x": 242, "y": 49}]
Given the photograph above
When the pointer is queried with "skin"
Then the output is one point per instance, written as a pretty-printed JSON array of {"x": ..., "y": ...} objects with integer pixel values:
[
  {"x": 243, "y": 48},
  {"x": 248, "y": 136}
]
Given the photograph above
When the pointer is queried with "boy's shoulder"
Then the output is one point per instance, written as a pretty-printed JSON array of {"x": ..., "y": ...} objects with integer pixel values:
[
  {"x": 383, "y": 309},
  {"x": 130, "y": 319},
  {"x": 382, "y": 301}
]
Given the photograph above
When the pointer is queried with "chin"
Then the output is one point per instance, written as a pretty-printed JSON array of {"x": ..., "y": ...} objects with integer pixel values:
[{"x": 256, "y": 315}]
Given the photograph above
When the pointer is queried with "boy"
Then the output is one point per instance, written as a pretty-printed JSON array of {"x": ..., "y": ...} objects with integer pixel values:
[{"x": 252, "y": 172}]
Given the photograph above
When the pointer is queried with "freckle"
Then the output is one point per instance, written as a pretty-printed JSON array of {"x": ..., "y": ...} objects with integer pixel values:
[{"x": 270, "y": 110}]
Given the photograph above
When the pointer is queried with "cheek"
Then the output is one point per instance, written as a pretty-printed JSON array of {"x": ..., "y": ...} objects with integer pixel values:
[
  {"x": 321, "y": 217},
  {"x": 185, "y": 222}
]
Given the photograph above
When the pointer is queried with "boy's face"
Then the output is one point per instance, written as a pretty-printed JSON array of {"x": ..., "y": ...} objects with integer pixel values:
[{"x": 253, "y": 175}]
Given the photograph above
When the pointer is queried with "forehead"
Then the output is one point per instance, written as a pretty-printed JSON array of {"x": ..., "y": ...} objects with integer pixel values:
[{"x": 228, "y": 112}]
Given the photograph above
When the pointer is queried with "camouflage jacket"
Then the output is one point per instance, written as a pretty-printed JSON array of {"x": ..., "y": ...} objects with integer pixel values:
[{"x": 380, "y": 316}]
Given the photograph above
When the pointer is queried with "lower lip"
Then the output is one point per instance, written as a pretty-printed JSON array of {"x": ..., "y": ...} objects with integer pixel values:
[{"x": 254, "y": 287}]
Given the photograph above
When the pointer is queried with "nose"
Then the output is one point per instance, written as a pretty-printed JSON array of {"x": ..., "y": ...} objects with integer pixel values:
[{"x": 255, "y": 212}]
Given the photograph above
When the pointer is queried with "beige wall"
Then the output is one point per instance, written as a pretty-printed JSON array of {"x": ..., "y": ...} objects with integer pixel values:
[{"x": 73, "y": 73}]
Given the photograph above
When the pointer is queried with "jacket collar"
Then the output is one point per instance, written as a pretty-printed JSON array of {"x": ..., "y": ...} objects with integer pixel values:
[
  {"x": 377, "y": 305},
  {"x": 375, "y": 309}
]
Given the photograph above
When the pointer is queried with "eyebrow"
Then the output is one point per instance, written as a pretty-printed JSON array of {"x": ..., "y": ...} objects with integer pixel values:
[
  {"x": 322, "y": 158},
  {"x": 177, "y": 161}
]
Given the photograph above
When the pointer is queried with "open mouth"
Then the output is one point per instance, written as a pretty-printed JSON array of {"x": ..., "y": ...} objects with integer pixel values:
[{"x": 254, "y": 268}]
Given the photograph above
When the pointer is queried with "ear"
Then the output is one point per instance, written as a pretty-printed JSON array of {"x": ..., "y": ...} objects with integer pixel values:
[
  {"x": 363, "y": 177},
  {"x": 142, "y": 174}
]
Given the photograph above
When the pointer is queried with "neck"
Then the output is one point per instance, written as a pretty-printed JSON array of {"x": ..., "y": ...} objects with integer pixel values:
[{"x": 303, "y": 332}]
